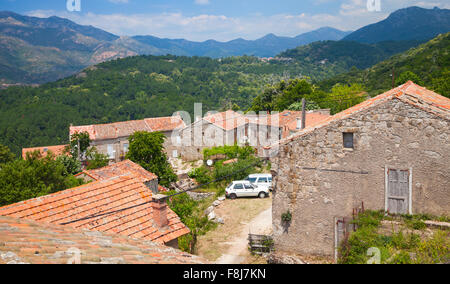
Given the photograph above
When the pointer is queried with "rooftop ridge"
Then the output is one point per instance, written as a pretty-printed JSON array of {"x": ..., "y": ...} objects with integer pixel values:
[
  {"x": 63, "y": 192},
  {"x": 398, "y": 92}
]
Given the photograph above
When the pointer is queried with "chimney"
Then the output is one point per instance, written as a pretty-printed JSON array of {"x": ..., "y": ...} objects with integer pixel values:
[
  {"x": 299, "y": 123},
  {"x": 159, "y": 206}
]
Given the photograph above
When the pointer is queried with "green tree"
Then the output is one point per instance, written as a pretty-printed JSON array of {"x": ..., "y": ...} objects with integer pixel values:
[
  {"x": 408, "y": 76},
  {"x": 146, "y": 149},
  {"x": 33, "y": 177},
  {"x": 345, "y": 96},
  {"x": 82, "y": 140},
  {"x": 95, "y": 159},
  {"x": 6, "y": 155},
  {"x": 71, "y": 164}
]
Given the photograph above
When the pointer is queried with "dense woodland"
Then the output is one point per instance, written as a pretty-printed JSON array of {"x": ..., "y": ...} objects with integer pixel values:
[
  {"x": 152, "y": 86},
  {"x": 135, "y": 88},
  {"x": 430, "y": 62}
]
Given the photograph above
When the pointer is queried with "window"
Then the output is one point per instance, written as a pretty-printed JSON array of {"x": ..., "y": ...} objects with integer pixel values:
[
  {"x": 126, "y": 146},
  {"x": 175, "y": 154},
  {"x": 252, "y": 180},
  {"x": 348, "y": 140},
  {"x": 248, "y": 186},
  {"x": 263, "y": 180},
  {"x": 238, "y": 186},
  {"x": 111, "y": 151}
]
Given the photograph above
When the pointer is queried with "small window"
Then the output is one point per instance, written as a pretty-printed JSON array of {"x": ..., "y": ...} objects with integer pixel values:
[
  {"x": 252, "y": 180},
  {"x": 175, "y": 154},
  {"x": 348, "y": 140},
  {"x": 238, "y": 186},
  {"x": 126, "y": 146},
  {"x": 264, "y": 180},
  {"x": 248, "y": 186},
  {"x": 111, "y": 151}
]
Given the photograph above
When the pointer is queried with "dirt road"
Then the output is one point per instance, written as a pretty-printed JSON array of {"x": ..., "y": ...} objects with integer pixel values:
[{"x": 238, "y": 250}]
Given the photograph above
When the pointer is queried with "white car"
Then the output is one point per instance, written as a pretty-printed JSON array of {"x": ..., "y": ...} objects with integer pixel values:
[
  {"x": 261, "y": 180},
  {"x": 243, "y": 188}
]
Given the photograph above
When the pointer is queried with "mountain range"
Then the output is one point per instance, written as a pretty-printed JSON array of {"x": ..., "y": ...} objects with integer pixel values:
[{"x": 38, "y": 50}]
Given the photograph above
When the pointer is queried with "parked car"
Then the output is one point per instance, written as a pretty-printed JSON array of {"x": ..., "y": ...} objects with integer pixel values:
[
  {"x": 261, "y": 180},
  {"x": 243, "y": 188}
]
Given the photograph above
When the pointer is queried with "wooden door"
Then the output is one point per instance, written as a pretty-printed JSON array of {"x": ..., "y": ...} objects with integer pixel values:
[{"x": 398, "y": 191}]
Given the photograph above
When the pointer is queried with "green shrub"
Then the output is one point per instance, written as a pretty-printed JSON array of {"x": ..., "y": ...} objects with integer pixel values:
[
  {"x": 287, "y": 216},
  {"x": 201, "y": 175}
]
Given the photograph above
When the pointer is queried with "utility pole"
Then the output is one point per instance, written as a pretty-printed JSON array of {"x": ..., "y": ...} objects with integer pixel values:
[
  {"x": 303, "y": 113},
  {"x": 393, "y": 77},
  {"x": 79, "y": 150}
]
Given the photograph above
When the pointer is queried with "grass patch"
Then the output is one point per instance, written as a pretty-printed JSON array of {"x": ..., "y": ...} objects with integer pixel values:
[{"x": 402, "y": 246}]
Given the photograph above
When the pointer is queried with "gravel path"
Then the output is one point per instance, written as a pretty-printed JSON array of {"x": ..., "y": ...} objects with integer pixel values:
[{"x": 238, "y": 251}]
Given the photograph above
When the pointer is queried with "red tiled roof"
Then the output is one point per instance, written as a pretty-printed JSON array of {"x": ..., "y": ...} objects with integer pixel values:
[
  {"x": 232, "y": 161},
  {"x": 118, "y": 169},
  {"x": 127, "y": 128},
  {"x": 25, "y": 241},
  {"x": 56, "y": 150},
  {"x": 312, "y": 119},
  {"x": 227, "y": 120},
  {"x": 288, "y": 118},
  {"x": 165, "y": 123},
  {"x": 409, "y": 93},
  {"x": 121, "y": 205}
]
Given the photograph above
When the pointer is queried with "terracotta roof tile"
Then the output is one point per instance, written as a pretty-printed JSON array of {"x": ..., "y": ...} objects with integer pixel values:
[
  {"x": 120, "y": 204},
  {"x": 288, "y": 118},
  {"x": 127, "y": 128},
  {"x": 227, "y": 120},
  {"x": 409, "y": 93},
  {"x": 165, "y": 123},
  {"x": 26, "y": 241},
  {"x": 118, "y": 169},
  {"x": 56, "y": 150}
]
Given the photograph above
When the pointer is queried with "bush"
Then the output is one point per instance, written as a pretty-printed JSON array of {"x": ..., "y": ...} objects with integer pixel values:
[
  {"x": 201, "y": 175},
  {"x": 187, "y": 209}
]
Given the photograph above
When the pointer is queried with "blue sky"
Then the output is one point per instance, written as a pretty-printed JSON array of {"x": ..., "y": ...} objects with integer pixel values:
[{"x": 216, "y": 19}]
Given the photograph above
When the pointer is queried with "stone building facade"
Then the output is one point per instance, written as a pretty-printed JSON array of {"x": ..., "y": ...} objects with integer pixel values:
[
  {"x": 230, "y": 128},
  {"x": 112, "y": 139},
  {"x": 391, "y": 152}
]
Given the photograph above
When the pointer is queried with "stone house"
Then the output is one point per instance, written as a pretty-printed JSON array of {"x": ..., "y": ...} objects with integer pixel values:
[
  {"x": 219, "y": 129},
  {"x": 230, "y": 128},
  {"x": 391, "y": 152},
  {"x": 57, "y": 150},
  {"x": 112, "y": 139}
]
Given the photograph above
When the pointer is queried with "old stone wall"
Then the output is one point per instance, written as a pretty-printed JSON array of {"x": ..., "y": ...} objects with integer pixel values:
[
  {"x": 318, "y": 179},
  {"x": 120, "y": 149}
]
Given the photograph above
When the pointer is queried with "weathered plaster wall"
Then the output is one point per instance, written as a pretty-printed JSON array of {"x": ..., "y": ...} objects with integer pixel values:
[{"x": 393, "y": 134}]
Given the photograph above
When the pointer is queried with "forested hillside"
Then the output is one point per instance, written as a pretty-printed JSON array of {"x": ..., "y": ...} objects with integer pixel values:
[
  {"x": 412, "y": 23},
  {"x": 344, "y": 55},
  {"x": 151, "y": 86},
  {"x": 134, "y": 88},
  {"x": 429, "y": 63},
  {"x": 39, "y": 50}
]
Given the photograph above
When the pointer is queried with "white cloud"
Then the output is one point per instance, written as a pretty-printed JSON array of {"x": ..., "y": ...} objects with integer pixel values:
[
  {"x": 202, "y": 2},
  {"x": 352, "y": 15},
  {"x": 118, "y": 1}
]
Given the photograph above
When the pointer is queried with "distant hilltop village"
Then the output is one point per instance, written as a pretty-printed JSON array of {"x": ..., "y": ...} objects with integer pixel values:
[{"x": 281, "y": 59}]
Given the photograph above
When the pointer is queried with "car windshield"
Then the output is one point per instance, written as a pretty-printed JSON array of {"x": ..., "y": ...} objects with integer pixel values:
[{"x": 252, "y": 180}]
